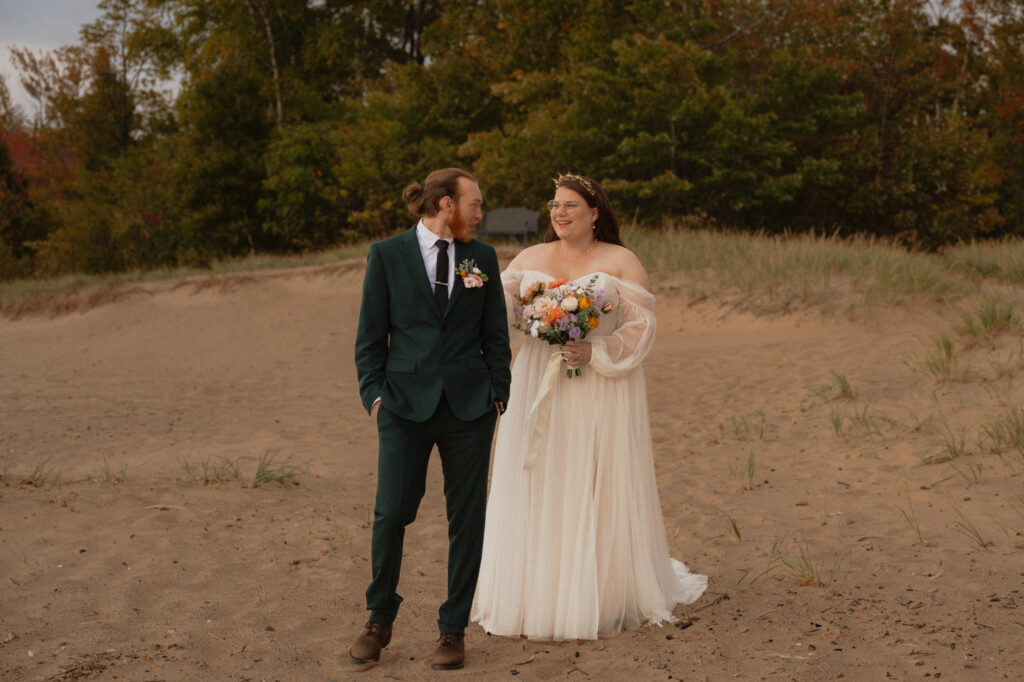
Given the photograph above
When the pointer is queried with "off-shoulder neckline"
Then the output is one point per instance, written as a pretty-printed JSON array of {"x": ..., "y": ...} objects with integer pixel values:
[{"x": 589, "y": 274}]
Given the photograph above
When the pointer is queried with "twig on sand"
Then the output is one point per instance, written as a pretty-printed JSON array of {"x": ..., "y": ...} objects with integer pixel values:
[
  {"x": 799, "y": 658},
  {"x": 215, "y": 636},
  {"x": 529, "y": 660},
  {"x": 164, "y": 507},
  {"x": 90, "y": 664},
  {"x": 718, "y": 600}
]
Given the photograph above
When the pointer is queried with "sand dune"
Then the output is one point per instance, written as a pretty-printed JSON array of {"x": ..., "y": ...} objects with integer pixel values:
[{"x": 118, "y": 562}]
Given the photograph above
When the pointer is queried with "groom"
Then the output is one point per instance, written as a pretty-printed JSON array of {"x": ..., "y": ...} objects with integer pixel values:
[{"x": 432, "y": 353}]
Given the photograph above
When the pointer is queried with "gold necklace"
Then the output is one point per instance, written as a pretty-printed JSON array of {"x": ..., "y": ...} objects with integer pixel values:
[{"x": 561, "y": 247}]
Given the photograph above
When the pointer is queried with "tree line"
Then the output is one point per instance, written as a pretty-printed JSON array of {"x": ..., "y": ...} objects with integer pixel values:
[{"x": 297, "y": 122}]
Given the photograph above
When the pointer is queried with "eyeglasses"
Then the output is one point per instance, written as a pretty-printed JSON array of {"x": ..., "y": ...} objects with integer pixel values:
[{"x": 568, "y": 205}]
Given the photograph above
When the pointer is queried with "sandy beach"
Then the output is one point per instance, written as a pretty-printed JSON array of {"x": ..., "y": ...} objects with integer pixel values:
[{"x": 134, "y": 544}]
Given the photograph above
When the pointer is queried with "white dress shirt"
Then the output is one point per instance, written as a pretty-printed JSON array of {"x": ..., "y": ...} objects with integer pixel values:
[{"x": 428, "y": 250}]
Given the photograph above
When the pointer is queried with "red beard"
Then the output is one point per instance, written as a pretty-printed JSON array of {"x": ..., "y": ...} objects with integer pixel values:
[{"x": 461, "y": 230}]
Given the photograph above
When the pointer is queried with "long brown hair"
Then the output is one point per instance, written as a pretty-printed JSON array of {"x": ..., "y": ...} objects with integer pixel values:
[
  {"x": 606, "y": 228},
  {"x": 425, "y": 200}
]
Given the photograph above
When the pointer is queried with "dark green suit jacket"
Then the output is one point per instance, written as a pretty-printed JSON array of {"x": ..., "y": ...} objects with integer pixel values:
[{"x": 407, "y": 352}]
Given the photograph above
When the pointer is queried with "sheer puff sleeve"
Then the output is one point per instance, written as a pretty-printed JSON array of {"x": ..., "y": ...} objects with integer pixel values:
[
  {"x": 511, "y": 281},
  {"x": 621, "y": 352}
]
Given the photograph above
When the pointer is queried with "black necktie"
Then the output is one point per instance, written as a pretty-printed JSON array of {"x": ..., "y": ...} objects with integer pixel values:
[{"x": 441, "y": 280}]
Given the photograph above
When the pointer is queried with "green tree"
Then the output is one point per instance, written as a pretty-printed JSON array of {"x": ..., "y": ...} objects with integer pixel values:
[
  {"x": 301, "y": 204},
  {"x": 918, "y": 167},
  {"x": 299, "y": 122},
  {"x": 554, "y": 97},
  {"x": 11, "y": 117},
  {"x": 18, "y": 223},
  {"x": 133, "y": 46},
  {"x": 218, "y": 170},
  {"x": 995, "y": 31}
]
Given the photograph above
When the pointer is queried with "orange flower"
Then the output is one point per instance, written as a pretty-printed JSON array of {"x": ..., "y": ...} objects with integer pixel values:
[
  {"x": 556, "y": 283},
  {"x": 553, "y": 315},
  {"x": 584, "y": 301},
  {"x": 592, "y": 321}
]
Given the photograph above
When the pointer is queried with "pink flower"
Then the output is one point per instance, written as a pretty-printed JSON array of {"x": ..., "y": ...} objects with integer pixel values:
[
  {"x": 472, "y": 276},
  {"x": 543, "y": 305}
]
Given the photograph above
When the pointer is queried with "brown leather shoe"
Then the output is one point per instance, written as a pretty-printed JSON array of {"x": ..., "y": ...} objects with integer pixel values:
[
  {"x": 450, "y": 653},
  {"x": 366, "y": 648}
]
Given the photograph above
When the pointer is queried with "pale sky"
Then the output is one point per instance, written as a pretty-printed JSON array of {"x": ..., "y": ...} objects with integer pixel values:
[{"x": 39, "y": 24}]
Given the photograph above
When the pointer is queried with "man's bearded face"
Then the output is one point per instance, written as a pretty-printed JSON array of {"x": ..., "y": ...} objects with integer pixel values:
[{"x": 461, "y": 229}]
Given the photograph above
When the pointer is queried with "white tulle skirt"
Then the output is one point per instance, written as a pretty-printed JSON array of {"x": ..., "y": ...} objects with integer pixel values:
[{"x": 576, "y": 548}]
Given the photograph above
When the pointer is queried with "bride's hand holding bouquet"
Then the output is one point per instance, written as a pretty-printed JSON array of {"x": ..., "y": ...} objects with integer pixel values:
[{"x": 563, "y": 313}]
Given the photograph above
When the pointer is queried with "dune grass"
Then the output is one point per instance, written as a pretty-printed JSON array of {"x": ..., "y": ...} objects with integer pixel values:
[
  {"x": 271, "y": 471},
  {"x": 746, "y": 426},
  {"x": 44, "y": 473},
  {"x": 210, "y": 470},
  {"x": 18, "y": 292},
  {"x": 1005, "y": 434},
  {"x": 969, "y": 530},
  {"x": 1002, "y": 261},
  {"x": 745, "y": 473},
  {"x": 954, "y": 446},
  {"x": 909, "y": 513},
  {"x": 780, "y": 270},
  {"x": 805, "y": 268},
  {"x": 942, "y": 364},
  {"x": 107, "y": 474},
  {"x": 991, "y": 318},
  {"x": 798, "y": 565},
  {"x": 842, "y": 386}
]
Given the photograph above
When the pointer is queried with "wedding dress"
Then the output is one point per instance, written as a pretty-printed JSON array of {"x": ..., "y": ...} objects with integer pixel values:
[{"x": 574, "y": 547}]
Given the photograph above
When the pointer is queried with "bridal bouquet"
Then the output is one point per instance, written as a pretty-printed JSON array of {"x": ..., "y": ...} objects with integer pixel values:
[{"x": 561, "y": 311}]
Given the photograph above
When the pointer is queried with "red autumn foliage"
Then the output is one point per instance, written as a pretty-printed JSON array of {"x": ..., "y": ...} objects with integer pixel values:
[{"x": 34, "y": 158}]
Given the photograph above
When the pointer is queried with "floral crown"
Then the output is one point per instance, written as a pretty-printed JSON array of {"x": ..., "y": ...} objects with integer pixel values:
[{"x": 577, "y": 178}]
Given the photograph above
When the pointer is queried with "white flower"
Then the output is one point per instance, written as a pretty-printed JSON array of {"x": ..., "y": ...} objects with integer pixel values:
[
  {"x": 570, "y": 303},
  {"x": 534, "y": 328}
]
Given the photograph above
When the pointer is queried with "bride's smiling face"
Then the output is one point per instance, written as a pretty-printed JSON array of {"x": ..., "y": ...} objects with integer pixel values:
[{"x": 571, "y": 217}]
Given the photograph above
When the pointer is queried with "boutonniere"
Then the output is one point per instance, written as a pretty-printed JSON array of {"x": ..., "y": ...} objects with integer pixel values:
[{"x": 471, "y": 275}]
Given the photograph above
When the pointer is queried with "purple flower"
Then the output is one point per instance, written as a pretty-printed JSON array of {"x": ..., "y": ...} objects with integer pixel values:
[{"x": 574, "y": 333}]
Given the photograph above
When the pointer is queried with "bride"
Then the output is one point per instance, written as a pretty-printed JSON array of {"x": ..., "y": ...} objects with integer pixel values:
[{"x": 574, "y": 544}]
